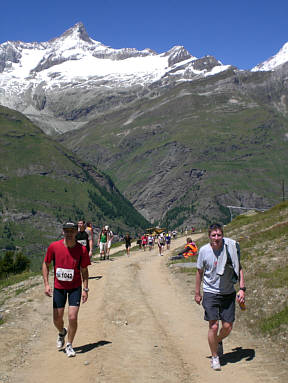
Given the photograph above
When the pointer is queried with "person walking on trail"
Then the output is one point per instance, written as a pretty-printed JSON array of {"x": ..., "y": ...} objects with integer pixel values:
[
  {"x": 190, "y": 250},
  {"x": 219, "y": 265},
  {"x": 89, "y": 230},
  {"x": 84, "y": 237},
  {"x": 71, "y": 261},
  {"x": 150, "y": 241},
  {"x": 109, "y": 239},
  {"x": 127, "y": 240},
  {"x": 102, "y": 243},
  {"x": 161, "y": 243},
  {"x": 144, "y": 240},
  {"x": 168, "y": 240}
]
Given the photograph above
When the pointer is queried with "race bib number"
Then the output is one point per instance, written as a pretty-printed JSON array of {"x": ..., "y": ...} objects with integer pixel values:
[
  {"x": 66, "y": 275},
  {"x": 82, "y": 242}
]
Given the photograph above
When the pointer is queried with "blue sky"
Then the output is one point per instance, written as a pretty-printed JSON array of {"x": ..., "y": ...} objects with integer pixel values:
[{"x": 241, "y": 33}]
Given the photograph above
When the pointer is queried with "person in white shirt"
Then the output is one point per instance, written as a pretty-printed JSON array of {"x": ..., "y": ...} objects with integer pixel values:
[{"x": 109, "y": 239}]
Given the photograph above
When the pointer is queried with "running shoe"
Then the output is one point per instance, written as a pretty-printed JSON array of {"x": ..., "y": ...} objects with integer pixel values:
[
  {"x": 61, "y": 338},
  {"x": 215, "y": 363},
  {"x": 69, "y": 350},
  {"x": 220, "y": 351}
]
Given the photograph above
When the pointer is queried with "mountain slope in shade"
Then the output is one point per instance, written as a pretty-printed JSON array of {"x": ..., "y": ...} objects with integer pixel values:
[{"x": 43, "y": 185}]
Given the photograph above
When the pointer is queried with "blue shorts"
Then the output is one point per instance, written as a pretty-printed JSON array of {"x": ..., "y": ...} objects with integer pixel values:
[
  {"x": 60, "y": 297},
  {"x": 219, "y": 306}
]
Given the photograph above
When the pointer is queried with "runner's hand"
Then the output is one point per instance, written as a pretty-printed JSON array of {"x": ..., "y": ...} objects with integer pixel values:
[
  {"x": 240, "y": 296},
  {"x": 198, "y": 298},
  {"x": 84, "y": 296},
  {"x": 48, "y": 291}
]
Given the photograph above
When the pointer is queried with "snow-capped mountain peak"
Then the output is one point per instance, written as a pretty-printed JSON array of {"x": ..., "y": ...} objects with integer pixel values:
[
  {"x": 280, "y": 58},
  {"x": 177, "y": 54},
  {"x": 78, "y": 31},
  {"x": 31, "y": 74}
]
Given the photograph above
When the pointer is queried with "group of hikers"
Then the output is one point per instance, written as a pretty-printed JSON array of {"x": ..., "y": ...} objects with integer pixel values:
[
  {"x": 162, "y": 240},
  {"x": 218, "y": 266}
]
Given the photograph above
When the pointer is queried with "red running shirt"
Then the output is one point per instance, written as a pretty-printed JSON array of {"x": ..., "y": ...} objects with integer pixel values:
[{"x": 67, "y": 262}]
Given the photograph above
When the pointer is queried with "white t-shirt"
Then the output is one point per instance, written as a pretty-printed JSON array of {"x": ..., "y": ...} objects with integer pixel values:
[{"x": 212, "y": 282}]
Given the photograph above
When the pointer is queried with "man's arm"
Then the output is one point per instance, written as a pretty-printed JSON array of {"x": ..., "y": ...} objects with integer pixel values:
[
  {"x": 198, "y": 297},
  {"x": 241, "y": 293},
  {"x": 90, "y": 241},
  {"x": 85, "y": 275},
  {"x": 90, "y": 247},
  {"x": 45, "y": 273}
]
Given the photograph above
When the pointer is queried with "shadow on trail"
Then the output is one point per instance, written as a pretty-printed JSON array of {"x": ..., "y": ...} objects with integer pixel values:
[
  {"x": 237, "y": 355},
  {"x": 90, "y": 346},
  {"x": 97, "y": 277},
  {"x": 97, "y": 261}
]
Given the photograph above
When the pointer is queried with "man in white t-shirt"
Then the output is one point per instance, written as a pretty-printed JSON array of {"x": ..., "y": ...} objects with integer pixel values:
[{"x": 219, "y": 265}]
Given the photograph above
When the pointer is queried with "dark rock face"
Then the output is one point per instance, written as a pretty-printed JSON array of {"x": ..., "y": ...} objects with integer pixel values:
[
  {"x": 208, "y": 63},
  {"x": 8, "y": 55},
  {"x": 177, "y": 54}
]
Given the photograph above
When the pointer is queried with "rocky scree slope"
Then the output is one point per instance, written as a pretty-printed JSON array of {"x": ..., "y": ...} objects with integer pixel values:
[{"x": 185, "y": 155}]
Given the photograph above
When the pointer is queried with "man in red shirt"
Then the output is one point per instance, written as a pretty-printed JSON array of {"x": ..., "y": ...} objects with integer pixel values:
[{"x": 70, "y": 261}]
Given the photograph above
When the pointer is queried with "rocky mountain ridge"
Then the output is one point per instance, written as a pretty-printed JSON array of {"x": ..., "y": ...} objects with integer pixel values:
[{"x": 41, "y": 79}]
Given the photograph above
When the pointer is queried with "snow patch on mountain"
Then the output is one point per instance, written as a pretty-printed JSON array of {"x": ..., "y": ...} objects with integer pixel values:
[{"x": 269, "y": 65}]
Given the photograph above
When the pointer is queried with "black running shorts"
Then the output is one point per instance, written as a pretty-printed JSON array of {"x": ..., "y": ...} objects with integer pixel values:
[
  {"x": 218, "y": 306},
  {"x": 60, "y": 297}
]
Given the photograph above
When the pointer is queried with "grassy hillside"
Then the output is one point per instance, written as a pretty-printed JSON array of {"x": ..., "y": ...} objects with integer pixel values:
[
  {"x": 263, "y": 241},
  {"x": 181, "y": 157},
  {"x": 43, "y": 184}
]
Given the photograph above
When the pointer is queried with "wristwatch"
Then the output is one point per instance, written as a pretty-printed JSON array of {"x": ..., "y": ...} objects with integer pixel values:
[
  {"x": 243, "y": 289},
  {"x": 85, "y": 289}
]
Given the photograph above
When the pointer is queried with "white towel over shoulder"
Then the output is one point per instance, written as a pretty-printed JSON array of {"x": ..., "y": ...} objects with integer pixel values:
[{"x": 231, "y": 246}]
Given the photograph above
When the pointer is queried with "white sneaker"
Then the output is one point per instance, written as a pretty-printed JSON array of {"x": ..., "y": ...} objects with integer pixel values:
[
  {"x": 61, "y": 338},
  {"x": 215, "y": 363},
  {"x": 69, "y": 350}
]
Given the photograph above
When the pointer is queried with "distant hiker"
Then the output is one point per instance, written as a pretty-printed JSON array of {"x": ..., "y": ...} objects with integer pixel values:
[
  {"x": 139, "y": 242},
  {"x": 109, "y": 239},
  {"x": 84, "y": 237},
  {"x": 89, "y": 230},
  {"x": 144, "y": 240},
  {"x": 190, "y": 250},
  {"x": 150, "y": 242},
  {"x": 168, "y": 240},
  {"x": 70, "y": 261},
  {"x": 219, "y": 265},
  {"x": 127, "y": 240},
  {"x": 161, "y": 243},
  {"x": 102, "y": 243}
]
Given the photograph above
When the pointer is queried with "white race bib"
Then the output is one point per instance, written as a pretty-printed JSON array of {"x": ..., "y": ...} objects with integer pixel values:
[
  {"x": 82, "y": 242},
  {"x": 66, "y": 275}
]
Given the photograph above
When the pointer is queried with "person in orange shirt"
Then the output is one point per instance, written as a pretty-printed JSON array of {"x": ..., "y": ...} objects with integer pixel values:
[{"x": 190, "y": 249}]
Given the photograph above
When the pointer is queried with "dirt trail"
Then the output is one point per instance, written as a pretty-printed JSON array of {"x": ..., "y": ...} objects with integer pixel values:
[{"x": 137, "y": 326}]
